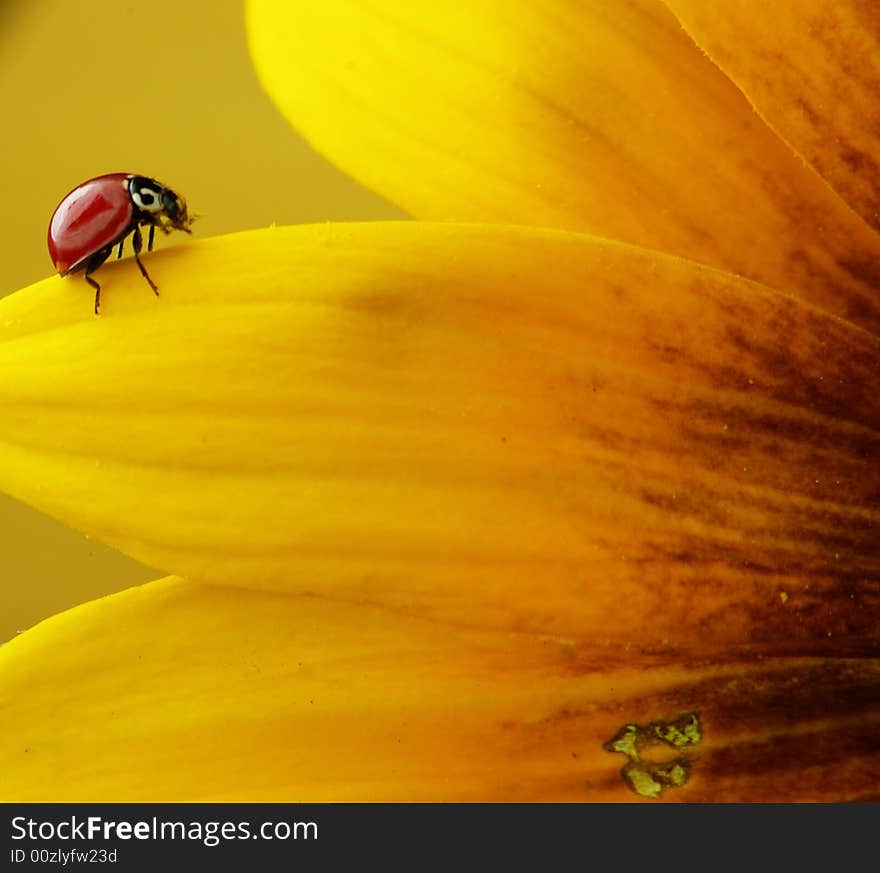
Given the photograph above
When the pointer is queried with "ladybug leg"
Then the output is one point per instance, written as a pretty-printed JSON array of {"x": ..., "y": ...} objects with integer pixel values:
[
  {"x": 150, "y": 240},
  {"x": 97, "y": 288},
  {"x": 137, "y": 242},
  {"x": 92, "y": 264},
  {"x": 119, "y": 253}
]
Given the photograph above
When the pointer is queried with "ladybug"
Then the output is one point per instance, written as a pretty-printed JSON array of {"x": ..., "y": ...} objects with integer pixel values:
[{"x": 102, "y": 212}]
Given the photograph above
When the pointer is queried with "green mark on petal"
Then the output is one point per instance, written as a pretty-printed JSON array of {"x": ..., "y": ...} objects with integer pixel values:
[
  {"x": 625, "y": 741},
  {"x": 646, "y": 775},
  {"x": 684, "y": 731},
  {"x": 641, "y": 781}
]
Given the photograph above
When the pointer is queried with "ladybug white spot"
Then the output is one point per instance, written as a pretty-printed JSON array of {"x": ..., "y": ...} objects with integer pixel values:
[{"x": 146, "y": 199}]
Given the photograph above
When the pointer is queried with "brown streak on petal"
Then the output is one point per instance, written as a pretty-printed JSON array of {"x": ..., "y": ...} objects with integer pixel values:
[
  {"x": 810, "y": 68},
  {"x": 828, "y": 764},
  {"x": 763, "y": 699}
]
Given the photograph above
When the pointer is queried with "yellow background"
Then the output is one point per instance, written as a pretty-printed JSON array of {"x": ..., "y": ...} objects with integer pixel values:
[{"x": 164, "y": 88}]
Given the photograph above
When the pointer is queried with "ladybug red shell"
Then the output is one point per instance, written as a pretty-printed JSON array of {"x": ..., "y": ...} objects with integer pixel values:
[{"x": 102, "y": 212}]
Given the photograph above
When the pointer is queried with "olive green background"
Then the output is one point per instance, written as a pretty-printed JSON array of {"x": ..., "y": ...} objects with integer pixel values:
[{"x": 164, "y": 88}]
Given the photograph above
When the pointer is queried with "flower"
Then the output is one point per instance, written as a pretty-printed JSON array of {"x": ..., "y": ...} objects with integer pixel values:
[{"x": 574, "y": 497}]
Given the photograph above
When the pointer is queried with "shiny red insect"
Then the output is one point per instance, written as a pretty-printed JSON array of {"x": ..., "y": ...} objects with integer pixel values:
[{"x": 102, "y": 212}]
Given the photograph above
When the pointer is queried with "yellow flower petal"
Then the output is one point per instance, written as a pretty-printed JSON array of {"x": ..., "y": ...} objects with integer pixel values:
[
  {"x": 176, "y": 692},
  {"x": 811, "y": 68},
  {"x": 508, "y": 427},
  {"x": 599, "y": 117}
]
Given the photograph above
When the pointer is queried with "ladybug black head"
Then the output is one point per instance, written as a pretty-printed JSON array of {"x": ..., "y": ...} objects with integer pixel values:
[{"x": 158, "y": 204}]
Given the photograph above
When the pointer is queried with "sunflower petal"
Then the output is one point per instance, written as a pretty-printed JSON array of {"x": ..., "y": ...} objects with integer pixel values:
[
  {"x": 177, "y": 692},
  {"x": 811, "y": 69},
  {"x": 508, "y": 427},
  {"x": 595, "y": 117}
]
